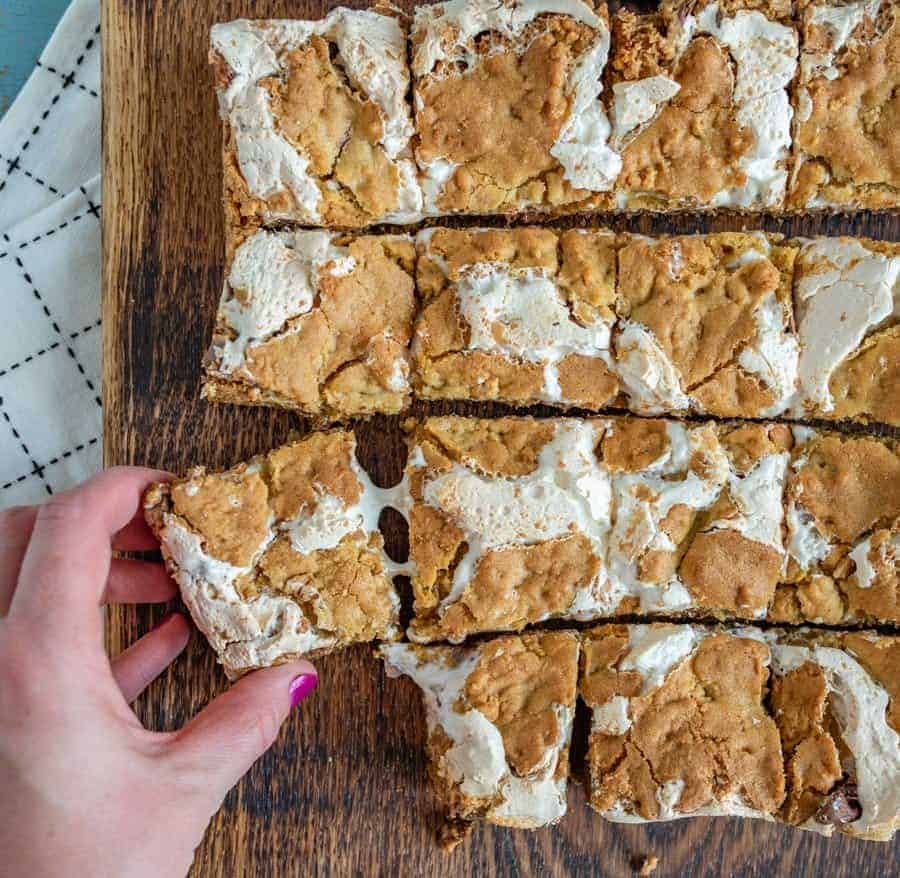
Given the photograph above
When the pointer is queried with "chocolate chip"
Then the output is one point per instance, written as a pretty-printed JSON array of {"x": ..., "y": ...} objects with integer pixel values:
[{"x": 842, "y": 805}]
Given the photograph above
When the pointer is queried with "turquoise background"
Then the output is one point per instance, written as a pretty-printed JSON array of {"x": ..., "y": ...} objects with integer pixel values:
[{"x": 25, "y": 27}]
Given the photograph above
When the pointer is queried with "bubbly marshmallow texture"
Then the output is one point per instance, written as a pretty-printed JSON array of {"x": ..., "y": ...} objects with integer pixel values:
[
  {"x": 840, "y": 22},
  {"x": 582, "y": 148},
  {"x": 643, "y": 500},
  {"x": 636, "y": 103},
  {"x": 650, "y": 379},
  {"x": 843, "y": 292},
  {"x": 774, "y": 355},
  {"x": 623, "y": 514},
  {"x": 468, "y": 18},
  {"x": 758, "y": 498},
  {"x": 567, "y": 491},
  {"x": 476, "y": 760},
  {"x": 274, "y": 278},
  {"x": 521, "y": 314},
  {"x": 886, "y": 553},
  {"x": 252, "y": 632},
  {"x": 765, "y": 54},
  {"x": 372, "y": 49}
]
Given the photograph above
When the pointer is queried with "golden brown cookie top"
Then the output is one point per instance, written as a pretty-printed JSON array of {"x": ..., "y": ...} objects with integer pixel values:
[
  {"x": 317, "y": 322},
  {"x": 500, "y": 721},
  {"x": 498, "y": 91},
  {"x": 847, "y": 149},
  {"x": 679, "y": 723}
]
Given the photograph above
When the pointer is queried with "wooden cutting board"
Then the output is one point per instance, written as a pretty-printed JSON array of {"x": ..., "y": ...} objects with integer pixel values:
[{"x": 344, "y": 791}]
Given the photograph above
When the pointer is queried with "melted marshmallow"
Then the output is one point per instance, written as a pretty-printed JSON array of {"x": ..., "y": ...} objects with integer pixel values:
[
  {"x": 443, "y": 32},
  {"x": 765, "y": 56},
  {"x": 845, "y": 292},
  {"x": 859, "y": 704},
  {"x": 274, "y": 278},
  {"x": 476, "y": 760},
  {"x": 522, "y": 315}
]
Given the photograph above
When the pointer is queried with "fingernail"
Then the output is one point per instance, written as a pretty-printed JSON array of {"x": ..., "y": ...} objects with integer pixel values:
[{"x": 301, "y": 687}]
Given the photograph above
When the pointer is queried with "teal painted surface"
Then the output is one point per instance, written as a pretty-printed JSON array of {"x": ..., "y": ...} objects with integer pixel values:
[{"x": 25, "y": 27}]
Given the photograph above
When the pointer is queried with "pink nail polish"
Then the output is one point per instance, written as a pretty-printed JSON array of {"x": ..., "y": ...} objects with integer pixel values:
[{"x": 301, "y": 687}]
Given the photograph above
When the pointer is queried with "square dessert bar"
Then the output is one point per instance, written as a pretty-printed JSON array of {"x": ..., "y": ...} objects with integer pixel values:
[
  {"x": 799, "y": 727},
  {"x": 315, "y": 322},
  {"x": 499, "y": 718},
  {"x": 279, "y": 557},
  {"x": 704, "y": 324},
  {"x": 699, "y": 104},
  {"x": 846, "y": 104},
  {"x": 317, "y": 126},
  {"x": 507, "y": 109},
  {"x": 848, "y": 326},
  {"x": 515, "y": 521},
  {"x": 842, "y": 530},
  {"x": 517, "y": 315}
]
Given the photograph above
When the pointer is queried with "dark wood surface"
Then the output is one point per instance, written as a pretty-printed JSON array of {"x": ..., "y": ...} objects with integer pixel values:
[{"x": 344, "y": 791}]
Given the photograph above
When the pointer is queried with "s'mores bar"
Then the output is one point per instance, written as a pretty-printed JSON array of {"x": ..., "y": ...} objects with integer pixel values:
[
  {"x": 848, "y": 324},
  {"x": 279, "y": 557},
  {"x": 499, "y": 718},
  {"x": 842, "y": 530},
  {"x": 316, "y": 122},
  {"x": 316, "y": 322},
  {"x": 798, "y": 727},
  {"x": 517, "y": 315},
  {"x": 516, "y": 520},
  {"x": 507, "y": 109},
  {"x": 705, "y": 325},
  {"x": 700, "y": 111},
  {"x": 846, "y": 106}
]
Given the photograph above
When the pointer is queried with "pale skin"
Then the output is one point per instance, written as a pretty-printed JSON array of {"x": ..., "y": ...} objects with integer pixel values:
[{"x": 85, "y": 789}]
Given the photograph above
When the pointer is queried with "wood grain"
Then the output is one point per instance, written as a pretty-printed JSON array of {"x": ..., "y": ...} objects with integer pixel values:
[{"x": 344, "y": 790}]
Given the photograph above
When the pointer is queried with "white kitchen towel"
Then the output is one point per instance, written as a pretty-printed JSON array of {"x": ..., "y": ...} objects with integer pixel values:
[{"x": 50, "y": 402}]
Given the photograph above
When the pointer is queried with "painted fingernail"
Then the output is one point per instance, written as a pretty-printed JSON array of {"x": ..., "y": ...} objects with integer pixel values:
[{"x": 301, "y": 687}]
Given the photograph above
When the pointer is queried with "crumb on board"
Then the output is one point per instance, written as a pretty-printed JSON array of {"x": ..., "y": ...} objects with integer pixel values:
[{"x": 646, "y": 865}]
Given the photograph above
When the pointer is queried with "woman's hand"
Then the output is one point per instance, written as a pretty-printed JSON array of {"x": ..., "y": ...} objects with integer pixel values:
[{"x": 85, "y": 790}]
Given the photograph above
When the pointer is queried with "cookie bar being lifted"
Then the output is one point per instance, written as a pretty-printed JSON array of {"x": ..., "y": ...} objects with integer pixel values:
[
  {"x": 700, "y": 111},
  {"x": 499, "y": 718},
  {"x": 316, "y": 322},
  {"x": 800, "y": 727},
  {"x": 516, "y": 520},
  {"x": 507, "y": 107},
  {"x": 316, "y": 122},
  {"x": 279, "y": 557},
  {"x": 847, "y": 106},
  {"x": 517, "y": 315}
]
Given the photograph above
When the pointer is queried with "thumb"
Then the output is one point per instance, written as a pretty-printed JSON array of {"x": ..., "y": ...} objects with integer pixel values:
[{"x": 220, "y": 744}]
